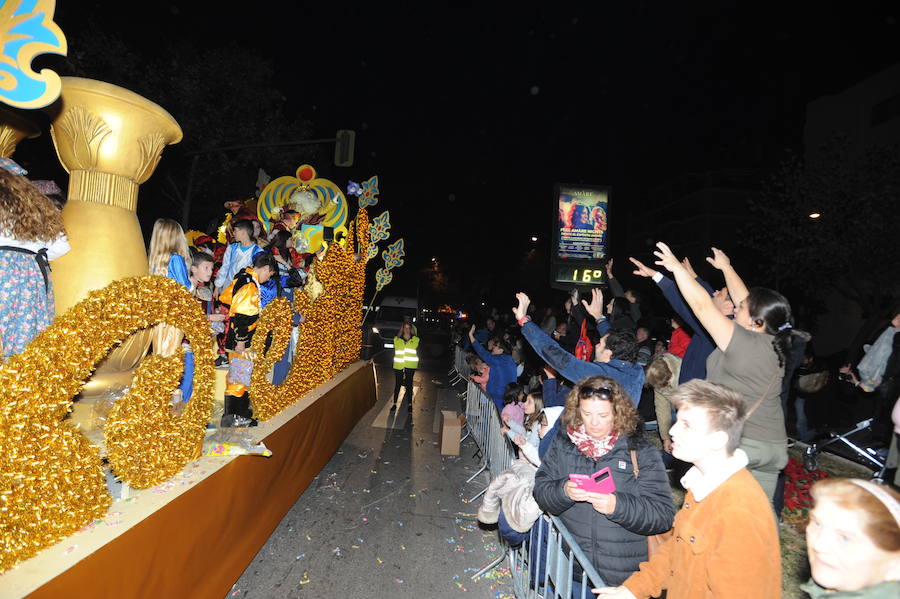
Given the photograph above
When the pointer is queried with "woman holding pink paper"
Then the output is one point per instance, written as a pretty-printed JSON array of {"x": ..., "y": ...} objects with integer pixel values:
[{"x": 598, "y": 430}]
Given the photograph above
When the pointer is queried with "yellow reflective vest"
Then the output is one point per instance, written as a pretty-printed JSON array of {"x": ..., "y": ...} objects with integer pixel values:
[{"x": 405, "y": 355}]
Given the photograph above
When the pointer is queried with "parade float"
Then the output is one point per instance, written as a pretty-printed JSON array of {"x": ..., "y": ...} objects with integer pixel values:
[{"x": 134, "y": 508}]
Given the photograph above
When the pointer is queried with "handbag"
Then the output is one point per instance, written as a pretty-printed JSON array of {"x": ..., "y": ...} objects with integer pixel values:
[
  {"x": 583, "y": 348},
  {"x": 654, "y": 542}
]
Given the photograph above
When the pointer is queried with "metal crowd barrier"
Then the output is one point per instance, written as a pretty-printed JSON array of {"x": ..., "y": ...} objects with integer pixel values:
[{"x": 548, "y": 563}]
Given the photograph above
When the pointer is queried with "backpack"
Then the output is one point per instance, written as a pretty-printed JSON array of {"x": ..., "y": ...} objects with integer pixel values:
[{"x": 584, "y": 349}]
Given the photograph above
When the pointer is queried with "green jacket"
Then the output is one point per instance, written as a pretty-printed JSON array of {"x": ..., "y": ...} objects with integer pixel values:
[
  {"x": 884, "y": 590},
  {"x": 405, "y": 355}
]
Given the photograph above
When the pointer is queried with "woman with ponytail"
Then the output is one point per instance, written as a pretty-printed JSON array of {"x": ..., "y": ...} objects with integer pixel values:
[{"x": 752, "y": 352}]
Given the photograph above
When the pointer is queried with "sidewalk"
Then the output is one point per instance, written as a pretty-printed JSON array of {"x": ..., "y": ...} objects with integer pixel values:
[{"x": 385, "y": 517}]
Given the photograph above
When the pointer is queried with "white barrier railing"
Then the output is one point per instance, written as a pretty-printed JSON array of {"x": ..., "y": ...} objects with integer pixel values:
[{"x": 548, "y": 563}]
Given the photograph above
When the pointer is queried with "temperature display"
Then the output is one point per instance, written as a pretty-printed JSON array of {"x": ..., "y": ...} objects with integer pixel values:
[{"x": 580, "y": 276}]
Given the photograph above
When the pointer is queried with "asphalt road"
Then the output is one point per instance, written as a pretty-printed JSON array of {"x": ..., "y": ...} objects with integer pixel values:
[{"x": 387, "y": 515}]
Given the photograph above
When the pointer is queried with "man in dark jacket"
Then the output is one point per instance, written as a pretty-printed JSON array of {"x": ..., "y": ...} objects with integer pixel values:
[
  {"x": 503, "y": 368},
  {"x": 615, "y": 355}
]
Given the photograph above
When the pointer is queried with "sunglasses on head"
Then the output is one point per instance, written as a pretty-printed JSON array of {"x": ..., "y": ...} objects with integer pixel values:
[{"x": 601, "y": 392}]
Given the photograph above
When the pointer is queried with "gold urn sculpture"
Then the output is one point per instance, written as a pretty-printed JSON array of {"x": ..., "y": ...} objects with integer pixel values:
[{"x": 110, "y": 140}]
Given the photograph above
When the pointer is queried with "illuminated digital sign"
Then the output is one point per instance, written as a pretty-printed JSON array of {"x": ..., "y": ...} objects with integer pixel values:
[{"x": 578, "y": 253}]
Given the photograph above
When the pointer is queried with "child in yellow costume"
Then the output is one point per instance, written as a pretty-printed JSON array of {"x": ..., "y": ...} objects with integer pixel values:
[{"x": 243, "y": 301}]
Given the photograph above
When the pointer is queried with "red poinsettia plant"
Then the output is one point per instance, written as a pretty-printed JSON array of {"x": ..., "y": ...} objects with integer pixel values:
[{"x": 798, "y": 480}]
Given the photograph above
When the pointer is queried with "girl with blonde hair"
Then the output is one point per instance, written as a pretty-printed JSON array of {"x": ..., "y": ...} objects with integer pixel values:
[
  {"x": 168, "y": 257},
  {"x": 31, "y": 234}
]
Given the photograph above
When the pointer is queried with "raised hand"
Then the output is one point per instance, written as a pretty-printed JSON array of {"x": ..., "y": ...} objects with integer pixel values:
[
  {"x": 521, "y": 310},
  {"x": 595, "y": 308},
  {"x": 719, "y": 259},
  {"x": 609, "y": 269},
  {"x": 642, "y": 270},
  {"x": 666, "y": 258},
  {"x": 472, "y": 333}
]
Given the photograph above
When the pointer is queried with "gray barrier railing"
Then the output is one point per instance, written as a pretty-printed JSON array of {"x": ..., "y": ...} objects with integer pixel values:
[{"x": 548, "y": 563}]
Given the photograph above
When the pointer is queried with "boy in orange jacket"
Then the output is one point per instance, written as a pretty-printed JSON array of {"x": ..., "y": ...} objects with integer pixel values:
[{"x": 725, "y": 541}]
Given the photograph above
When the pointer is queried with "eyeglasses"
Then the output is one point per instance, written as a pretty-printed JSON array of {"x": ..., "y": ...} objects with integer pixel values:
[{"x": 601, "y": 392}]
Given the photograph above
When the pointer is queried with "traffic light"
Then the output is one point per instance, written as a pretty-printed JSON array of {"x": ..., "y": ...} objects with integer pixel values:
[{"x": 343, "y": 147}]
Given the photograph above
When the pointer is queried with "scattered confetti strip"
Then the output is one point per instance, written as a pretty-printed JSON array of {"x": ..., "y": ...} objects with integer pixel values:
[
  {"x": 308, "y": 538},
  {"x": 461, "y": 587},
  {"x": 305, "y": 578},
  {"x": 374, "y": 471},
  {"x": 398, "y": 580},
  {"x": 337, "y": 552},
  {"x": 301, "y": 556},
  {"x": 412, "y": 494},
  {"x": 403, "y": 547},
  {"x": 236, "y": 593},
  {"x": 69, "y": 550},
  {"x": 365, "y": 519},
  {"x": 379, "y": 560},
  {"x": 354, "y": 546}
]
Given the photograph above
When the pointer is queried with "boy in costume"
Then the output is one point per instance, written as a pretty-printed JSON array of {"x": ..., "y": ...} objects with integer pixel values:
[{"x": 244, "y": 305}]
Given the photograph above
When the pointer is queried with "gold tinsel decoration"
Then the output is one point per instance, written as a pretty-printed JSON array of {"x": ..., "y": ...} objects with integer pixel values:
[
  {"x": 269, "y": 399},
  {"x": 330, "y": 337},
  {"x": 51, "y": 478}
]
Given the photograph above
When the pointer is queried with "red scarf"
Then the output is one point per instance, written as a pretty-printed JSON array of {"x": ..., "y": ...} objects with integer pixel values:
[{"x": 589, "y": 446}]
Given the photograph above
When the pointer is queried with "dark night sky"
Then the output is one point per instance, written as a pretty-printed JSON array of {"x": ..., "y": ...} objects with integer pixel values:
[{"x": 470, "y": 113}]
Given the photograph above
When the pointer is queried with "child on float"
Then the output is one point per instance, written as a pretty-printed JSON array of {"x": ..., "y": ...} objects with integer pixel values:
[
  {"x": 200, "y": 275},
  {"x": 243, "y": 298},
  {"x": 238, "y": 255},
  {"x": 169, "y": 256},
  {"x": 31, "y": 234}
]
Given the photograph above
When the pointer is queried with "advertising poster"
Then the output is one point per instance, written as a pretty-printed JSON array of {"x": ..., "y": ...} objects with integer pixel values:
[{"x": 582, "y": 223}]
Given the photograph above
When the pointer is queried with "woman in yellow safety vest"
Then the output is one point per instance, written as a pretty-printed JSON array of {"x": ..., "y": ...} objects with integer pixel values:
[{"x": 406, "y": 360}]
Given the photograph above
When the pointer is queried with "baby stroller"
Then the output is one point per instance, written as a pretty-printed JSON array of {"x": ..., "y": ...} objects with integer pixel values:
[{"x": 873, "y": 458}]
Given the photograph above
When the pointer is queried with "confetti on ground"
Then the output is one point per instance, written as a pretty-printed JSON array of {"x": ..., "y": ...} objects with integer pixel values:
[
  {"x": 354, "y": 546},
  {"x": 398, "y": 580},
  {"x": 308, "y": 538},
  {"x": 69, "y": 550},
  {"x": 379, "y": 560},
  {"x": 374, "y": 471},
  {"x": 236, "y": 593},
  {"x": 337, "y": 552},
  {"x": 461, "y": 587},
  {"x": 305, "y": 578},
  {"x": 403, "y": 547},
  {"x": 301, "y": 556},
  {"x": 412, "y": 494},
  {"x": 365, "y": 519}
]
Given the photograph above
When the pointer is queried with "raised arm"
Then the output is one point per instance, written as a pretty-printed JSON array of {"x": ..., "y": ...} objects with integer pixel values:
[
  {"x": 701, "y": 304},
  {"x": 736, "y": 288}
]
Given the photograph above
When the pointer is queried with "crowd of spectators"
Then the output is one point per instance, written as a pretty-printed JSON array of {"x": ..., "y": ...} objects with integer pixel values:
[{"x": 725, "y": 383}]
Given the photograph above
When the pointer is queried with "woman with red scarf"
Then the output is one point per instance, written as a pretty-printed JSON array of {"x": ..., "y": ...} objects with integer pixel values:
[{"x": 600, "y": 429}]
